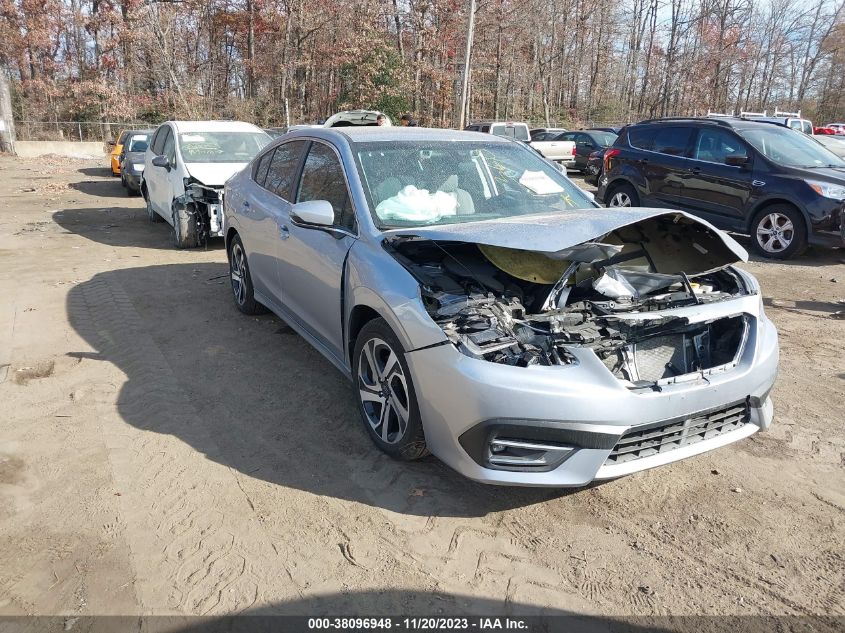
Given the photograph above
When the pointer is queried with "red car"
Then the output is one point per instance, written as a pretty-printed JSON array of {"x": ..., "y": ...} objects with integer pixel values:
[{"x": 824, "y": 130}]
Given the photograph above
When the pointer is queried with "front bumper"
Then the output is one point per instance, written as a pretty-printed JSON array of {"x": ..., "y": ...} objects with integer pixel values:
[
  {"x": 458, "y": 394},
  {"x": 133, "y": 179}
]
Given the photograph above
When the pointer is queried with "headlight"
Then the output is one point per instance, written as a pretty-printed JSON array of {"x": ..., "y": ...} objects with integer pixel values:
[
  {"x": 828, "y": 190},
  {"x": 138, "y": 166}
]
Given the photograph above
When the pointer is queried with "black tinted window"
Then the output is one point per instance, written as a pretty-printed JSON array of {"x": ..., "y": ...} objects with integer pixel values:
[
  {"x": 715, "y": 146},
  {"x": 262, "y": 167},
  {"x": 672, "y": 140},
  {"x": 322, "y": 179},
  {"x": 641, "y": 137},
  {"x": 281, "y": 175},
  {"x": 169, "y": 148},
  {"x": 158, "y": 140}
]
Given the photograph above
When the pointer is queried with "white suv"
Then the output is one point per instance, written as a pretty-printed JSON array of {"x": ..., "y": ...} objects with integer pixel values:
[{"x": 185, "y": 167}]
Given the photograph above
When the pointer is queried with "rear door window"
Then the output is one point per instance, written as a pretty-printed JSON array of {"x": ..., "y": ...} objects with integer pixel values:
[
  {"x": 672, "y": 140},
  {"x": 808, "y": 127},
  {"x": 262, "y": 167},
  {"x": 282, "y": 173}
]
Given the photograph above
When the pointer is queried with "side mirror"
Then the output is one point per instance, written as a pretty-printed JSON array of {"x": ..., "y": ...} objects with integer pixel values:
[
  {"x": 737, "y": 160},
  {"x": 111, "y": 143},
  {"x": 161, "y": 161},
  {"x": 315, "y": 212}
]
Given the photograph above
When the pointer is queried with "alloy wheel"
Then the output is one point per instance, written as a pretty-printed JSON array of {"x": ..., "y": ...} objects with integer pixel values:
[
  {"x": 237, "y": 271},
  {"x": 383, "y": 390},
  {"x": 620, "y": 199},
  {"x": 775, "y": 232}
]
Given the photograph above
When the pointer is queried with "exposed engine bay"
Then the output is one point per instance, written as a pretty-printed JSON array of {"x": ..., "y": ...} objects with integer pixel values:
[
  {"x": 614, "y": 295},
  {"x": 204, "y": 205}
]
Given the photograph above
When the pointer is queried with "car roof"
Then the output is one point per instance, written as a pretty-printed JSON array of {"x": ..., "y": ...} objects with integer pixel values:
[
  {"x": 214, "y": 126},
  {"x": 383, "y": 134},
  {"x": 722, "y": 121}
]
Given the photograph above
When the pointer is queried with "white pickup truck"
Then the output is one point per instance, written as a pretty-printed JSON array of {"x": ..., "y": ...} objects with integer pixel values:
[{"x": 562, "y": 152}]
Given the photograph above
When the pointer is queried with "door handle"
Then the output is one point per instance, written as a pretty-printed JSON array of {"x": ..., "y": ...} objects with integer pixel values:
[
  {"x": 643, "y": 161},
  {"x": 283, "y": 232},
  {"x": 695, "y": 170},
  {"x": 245, "y": 204}
]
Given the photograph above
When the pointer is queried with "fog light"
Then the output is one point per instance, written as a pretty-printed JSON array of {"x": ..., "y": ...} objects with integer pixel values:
[{"x": 513, "y": 453}]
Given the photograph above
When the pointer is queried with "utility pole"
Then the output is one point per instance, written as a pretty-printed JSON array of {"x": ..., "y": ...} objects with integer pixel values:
[
  {"x": 465, "y": 90},
  {"x": 7, "y": 121}
]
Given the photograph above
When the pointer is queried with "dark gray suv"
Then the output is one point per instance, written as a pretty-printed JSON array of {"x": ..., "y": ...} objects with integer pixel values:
[{"x": 762, "y": 179}]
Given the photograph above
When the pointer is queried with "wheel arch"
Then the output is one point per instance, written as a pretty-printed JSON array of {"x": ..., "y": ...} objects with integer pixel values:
[
  {"x": 770, "y": 202},
  {"x": 359, "y": 316},
  {"x": 231, "y": 232}
]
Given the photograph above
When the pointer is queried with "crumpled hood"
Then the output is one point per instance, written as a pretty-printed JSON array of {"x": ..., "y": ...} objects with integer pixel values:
[
  {"x": 553, "y": 232},
  {"x": 214, "y": 174}
]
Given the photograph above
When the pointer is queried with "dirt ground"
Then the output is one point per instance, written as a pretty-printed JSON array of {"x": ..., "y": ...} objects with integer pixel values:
[{"x": 160, "y": 453}]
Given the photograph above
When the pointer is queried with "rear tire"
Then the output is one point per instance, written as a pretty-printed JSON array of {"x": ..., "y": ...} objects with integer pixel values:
[
  {"x": 242, "y": 288},
  {"x": 623, "y": 195},
  {"x": 385, "y": 393},
  {"x": 185, "y": 234},
  {"x": 779, "y": 232},
  {"x": 151, "y": 214}
]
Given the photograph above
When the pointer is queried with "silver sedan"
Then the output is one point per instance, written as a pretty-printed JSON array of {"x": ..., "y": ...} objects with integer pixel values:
[{"x": 488, "y": 312}]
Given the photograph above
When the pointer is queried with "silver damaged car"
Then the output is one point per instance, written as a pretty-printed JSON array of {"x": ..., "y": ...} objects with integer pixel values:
[{"x": 487, "y": 311}]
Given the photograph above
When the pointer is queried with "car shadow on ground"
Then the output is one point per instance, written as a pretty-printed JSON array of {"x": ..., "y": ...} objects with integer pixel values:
[
  {"x": 424, "y": 610},
  {"x": 101, "y": 188},
  {"x": 98, "y": 171},
  {"x": 252, "y": 395},
  {"x": 122, "y": 226},
  {"x": 811, "y": 306},
  {"x": 814, "y": 256}
]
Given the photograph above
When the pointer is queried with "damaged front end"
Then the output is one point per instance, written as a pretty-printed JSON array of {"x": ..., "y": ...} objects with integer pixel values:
[
  {"x": 627, "y": 295},
  {"x": 203, "y": 206}
]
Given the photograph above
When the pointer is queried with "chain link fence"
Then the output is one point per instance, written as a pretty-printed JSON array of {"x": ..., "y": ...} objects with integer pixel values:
[{"x": 75, "y": 130}]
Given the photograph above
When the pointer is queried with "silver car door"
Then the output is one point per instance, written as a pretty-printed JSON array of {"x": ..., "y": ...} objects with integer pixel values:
[
  {"x": 265, "y": 211},
  {"x": 311, "y": 259}
]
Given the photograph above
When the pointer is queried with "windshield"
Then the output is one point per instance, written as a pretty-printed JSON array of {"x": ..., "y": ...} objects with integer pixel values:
[
  {"x": 138, "y": 143},
  {"x": 793, "y": 149},
  {"x": 442, "y": 182},
  {"x": 516, "y": 131},
  {"x": 604, "y": 139},
  {"x": 221, "y": 147}
]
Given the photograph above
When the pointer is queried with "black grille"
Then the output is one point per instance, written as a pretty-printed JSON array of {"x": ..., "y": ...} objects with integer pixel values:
[{"x": 652, "y": 439}]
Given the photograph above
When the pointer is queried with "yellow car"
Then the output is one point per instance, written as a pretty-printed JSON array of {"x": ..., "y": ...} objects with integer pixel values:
[{"x": 116, "y": 149}]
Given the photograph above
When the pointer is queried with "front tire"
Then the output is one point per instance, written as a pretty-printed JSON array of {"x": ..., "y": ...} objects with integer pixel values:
[
  {"x": 185, "y": 234},
  {"x": 242, "y": 288},
  {"x": 386, "y": 398},
  {"x": 779, "y": 232},
  {"x": 623, "y": 196}
]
